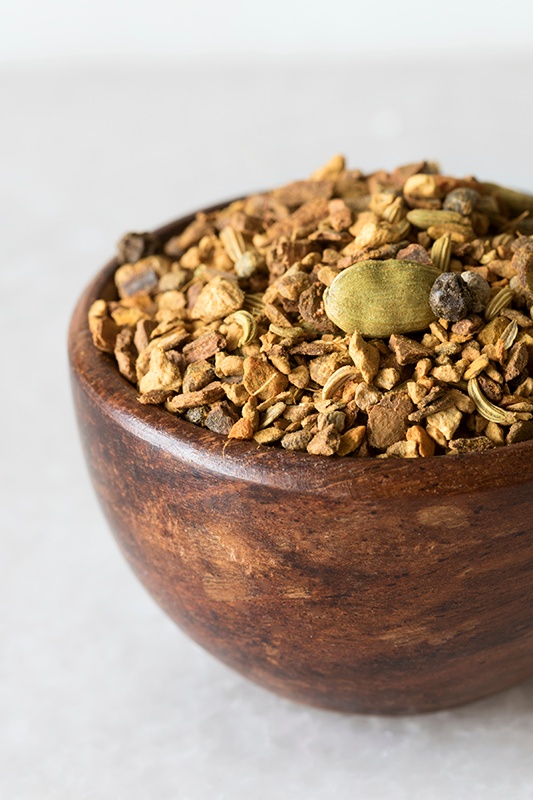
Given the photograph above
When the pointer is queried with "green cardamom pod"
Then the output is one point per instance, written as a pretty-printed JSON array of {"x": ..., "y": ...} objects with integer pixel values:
[{"x": 379, "y": 298}]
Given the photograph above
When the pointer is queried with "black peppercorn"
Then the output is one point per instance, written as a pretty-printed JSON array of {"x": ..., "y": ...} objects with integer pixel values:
[
  {"x": 462, "y": 200},
  {"x": 450, "y": 297},
  {"x": 480, "y": 289}
]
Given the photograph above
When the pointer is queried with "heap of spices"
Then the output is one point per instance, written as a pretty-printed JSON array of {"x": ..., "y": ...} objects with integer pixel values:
[{"x": 386, "y": 315}]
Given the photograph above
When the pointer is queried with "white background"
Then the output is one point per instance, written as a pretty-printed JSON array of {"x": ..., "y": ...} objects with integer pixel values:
[
  {"x": 120, "y": 116},
  {"x": 237, "y": 28}
]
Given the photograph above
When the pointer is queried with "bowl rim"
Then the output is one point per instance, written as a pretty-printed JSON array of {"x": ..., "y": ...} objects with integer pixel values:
[{"x": 97, "y": 374}]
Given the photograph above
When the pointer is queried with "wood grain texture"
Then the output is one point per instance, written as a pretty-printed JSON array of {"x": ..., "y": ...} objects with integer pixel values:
[{"x": 378, "y": 586}]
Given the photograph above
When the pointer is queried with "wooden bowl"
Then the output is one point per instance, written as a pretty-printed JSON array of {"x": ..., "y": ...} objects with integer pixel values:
[{"x": 363, "y": 585}]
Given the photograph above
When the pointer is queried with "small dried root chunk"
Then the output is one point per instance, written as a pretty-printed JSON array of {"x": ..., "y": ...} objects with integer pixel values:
[
  {"x": 142, "y": 277},
  {"x": 162, "y": 376},
  {"x": 126, "y": 354},
  {"x": 103, "y": 329},
  {"x": 298, "y": 440},
  {"x": 522, "y": 264},
  {"x": 204, "y": 347},
  {"x": 408, "y": 351},
  {"x": 268, "y": 435},
  {"x": 521, "y": 431},
  {"x": 261, "y": 379},
  {"x": 476, "y": 368},
  {"x": 218, "y": 299},
  {"x": 221, "y": 418},
  {"x": 518, "y": 358},
  {"x": 388, "y": 420},
  {"x": 475, "y": 445},
  {"x": 365, "y": 356},
  {"x": 366, "y": 396},
  {"x": 387, "y": 378},
  {"x": 326, "y": 442},
  {"x": 242, "y": 429},
  {"x": 495, "y": 433},
  {"x": 299, "y": 376},
  {"x": 425, "y": 445},
  {"x": 446, "y": 421},
  {"x": 331, "y": 170},
  {"x": 351, "y": 440},
  {"x": 209, "y": 394},
  {"x": 198, "y": 375},
  {"x": 134, "y": 246},
  {"x": 403, "y": 449}
]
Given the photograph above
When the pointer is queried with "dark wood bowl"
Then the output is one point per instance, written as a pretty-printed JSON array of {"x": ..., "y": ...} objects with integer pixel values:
[{"x": 379, "y": 586}]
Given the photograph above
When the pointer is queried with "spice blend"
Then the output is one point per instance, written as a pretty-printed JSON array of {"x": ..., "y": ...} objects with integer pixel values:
[{"x": 385, "y": 315}]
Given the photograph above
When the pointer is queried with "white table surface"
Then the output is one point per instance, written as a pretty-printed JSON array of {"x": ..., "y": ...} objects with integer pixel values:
[{"x": 101, "y": 696}]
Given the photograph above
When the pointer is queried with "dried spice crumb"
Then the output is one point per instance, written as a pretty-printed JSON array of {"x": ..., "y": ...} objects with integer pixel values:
[
  {"x": 298, "y": 440},
  {"x": 476, "y": 444},
  {"x": 326, "y": 442},
  {"x": 518, "y": 358},
  {"x": 521, "y": 431},
  {"x": 242, "y": 429},
  {"x": 217, "y": 299},
  {"x": 204, "y": 347},
  {"x": 351, "y": 440},
  {"x": 209, "y": 394},
  {"x": 134, "y": 246},
  {"x": 221, "y": 418},
  {"x": 126, "y": 353},
  {"x": 408, "y": 351},
  {"x": 388, "y": 420},
  {"x": 365, "y": 356},
  {"x": 230, "y": 323},
  {"x": 425, "y": 444}
]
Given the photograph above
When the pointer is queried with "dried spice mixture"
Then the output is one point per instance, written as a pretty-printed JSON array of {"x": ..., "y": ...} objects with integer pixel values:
[{"x": 385, "y": 315}]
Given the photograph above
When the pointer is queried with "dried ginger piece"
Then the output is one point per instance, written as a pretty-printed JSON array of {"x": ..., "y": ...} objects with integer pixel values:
[
  {"x": 326, "y": 442},
  {"x": 242, "y": 429},
  {"x": 351, "y": 440},
  {"x": 388, "y": 420},
  {"x": 126, "y": 354},
  {"x": 365, "y": 356},
  {"x": 261, "y": 379},
  {"x": 426, "y": 445},
  {"x": 162, "y": 376},
  {"x": 218, "y": 299},
  {"x": 103, "y": 328}
]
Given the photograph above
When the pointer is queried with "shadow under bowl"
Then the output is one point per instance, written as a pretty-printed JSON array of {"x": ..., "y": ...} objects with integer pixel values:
[{"x": 361, "y": 585}]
